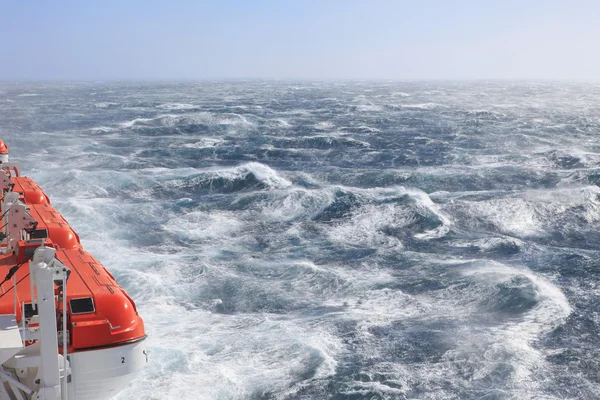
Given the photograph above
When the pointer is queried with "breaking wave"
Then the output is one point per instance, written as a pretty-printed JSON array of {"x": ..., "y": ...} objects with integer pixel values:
[
  {"x": 188, "y": 123},
  {"x": 251, "y": 176}
]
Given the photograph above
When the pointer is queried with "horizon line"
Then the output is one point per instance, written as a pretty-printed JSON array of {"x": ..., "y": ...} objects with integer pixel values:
[{"x": 292, "y": 79}]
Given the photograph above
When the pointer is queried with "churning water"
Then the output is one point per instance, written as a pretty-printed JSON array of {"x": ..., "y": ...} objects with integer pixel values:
[{"x": 336, "y": 240}]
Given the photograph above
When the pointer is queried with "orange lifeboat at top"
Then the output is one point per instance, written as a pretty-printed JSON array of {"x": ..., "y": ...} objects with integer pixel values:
[{"x": 3, "y": 152}]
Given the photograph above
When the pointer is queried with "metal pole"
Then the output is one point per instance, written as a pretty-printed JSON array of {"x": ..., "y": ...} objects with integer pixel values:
[
  {"x": 50, "y": 380},
  {"x": 65, "y": 338},
  {"x": 15, "y": 294},
  {"x": 5, "y": 377}
]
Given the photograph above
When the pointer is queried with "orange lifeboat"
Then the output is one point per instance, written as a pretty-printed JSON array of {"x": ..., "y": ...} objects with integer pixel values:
[
  {"x": 3, "y": 151},
  {"x": 3, "y": 147},
  {"x": 105, "y": 332}
]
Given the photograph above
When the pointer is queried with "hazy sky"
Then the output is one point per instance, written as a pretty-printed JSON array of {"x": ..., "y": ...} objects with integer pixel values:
[{"x": 381, "y": 39}]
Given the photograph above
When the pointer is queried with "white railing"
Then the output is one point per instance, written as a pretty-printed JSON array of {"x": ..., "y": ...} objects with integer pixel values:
[{"x": 45, "y": 271}]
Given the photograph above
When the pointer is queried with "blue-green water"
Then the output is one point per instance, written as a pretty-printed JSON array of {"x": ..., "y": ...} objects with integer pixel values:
[{"x": 335, "y": 240}]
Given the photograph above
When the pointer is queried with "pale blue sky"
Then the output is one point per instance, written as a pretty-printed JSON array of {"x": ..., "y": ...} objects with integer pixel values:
[{"x": 376, "y": 39}]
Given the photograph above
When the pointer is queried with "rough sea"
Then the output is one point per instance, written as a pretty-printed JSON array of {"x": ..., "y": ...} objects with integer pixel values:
[{"x": 335, "y": 240}]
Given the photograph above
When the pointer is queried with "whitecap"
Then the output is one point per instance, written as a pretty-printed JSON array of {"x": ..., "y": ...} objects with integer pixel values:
[
  {"x": 205, "y": 143},
  {"x": 369, "y": 108},
  {"x": 416, "y": 107},
  {"x": 324, "y": 125},
  {"x": 378, "y": 223},
  {"x": 172, "y": 120},
  {"x": 105, "y": 104},
  {"x": 175, "y": 106}
]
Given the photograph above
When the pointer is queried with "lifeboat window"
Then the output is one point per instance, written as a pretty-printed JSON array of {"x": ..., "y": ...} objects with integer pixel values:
[
  {"x": 84, "y": 305},
  {"x": 29, "y": 311},
  {"x": 39, "y": 234}
]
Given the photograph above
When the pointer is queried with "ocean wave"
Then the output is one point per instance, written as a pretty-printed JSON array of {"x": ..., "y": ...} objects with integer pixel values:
[
  {"x": 102, "y": 129},
  {"x": 369, "y": 108},
  {"x": 187, "y": 120},
  {"x": 203, "y": 227},
  {"x": 415, "y": 107},
  {"x": 365, "y": 129},
  {"x": 515, "y": 291},
  {"x": 572, "y": 159},
  {"x": 282, "y": 122},
  {"x": 106, "y": 104},
  {"x": 205, "y": 143},
  {"x": 325, "y": 125},
  {"x": 502, "y": 246},
  {"x": 485, "y": 324},
  {"x": 239, "y": 356},
  {"x": 536, "y": 213},
  {"x": 513, "y": 308},
  {"x": 176, "y": 106},
  {"x": 389, "y": 219},
  {"x": 587, "y": 177},
  {"x": 246, "y": 177},
  {"x": 320, "y": 142},
  {"x": 340, "y": 204}
]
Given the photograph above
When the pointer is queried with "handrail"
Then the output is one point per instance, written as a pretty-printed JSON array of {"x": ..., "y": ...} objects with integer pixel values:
[
  {"x": 15, "y": 295},
  {"x": 65, "y": 337}
]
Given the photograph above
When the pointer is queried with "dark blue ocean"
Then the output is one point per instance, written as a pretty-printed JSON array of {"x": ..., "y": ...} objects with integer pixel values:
[{"x": 336, "y": 240}]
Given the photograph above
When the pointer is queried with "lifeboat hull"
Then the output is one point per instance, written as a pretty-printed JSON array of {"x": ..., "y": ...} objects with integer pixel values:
[{"x": 101, "y": 374}]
